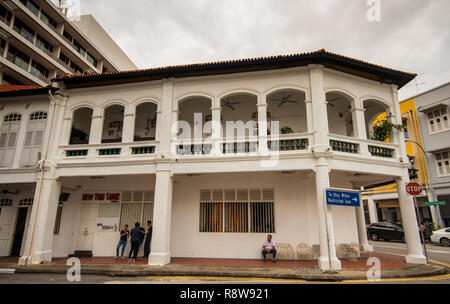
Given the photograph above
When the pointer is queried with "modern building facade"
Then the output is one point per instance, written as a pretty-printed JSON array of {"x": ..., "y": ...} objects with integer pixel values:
[
  {"x": 433, "y": 107},
  {"x": 38, "y": 43},
  {"x": 381, "y": 201},
  {"x": 197, "y": 149}
]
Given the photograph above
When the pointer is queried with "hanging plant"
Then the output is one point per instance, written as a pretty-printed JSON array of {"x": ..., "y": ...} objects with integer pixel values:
[{"x": 384, "y": 128}]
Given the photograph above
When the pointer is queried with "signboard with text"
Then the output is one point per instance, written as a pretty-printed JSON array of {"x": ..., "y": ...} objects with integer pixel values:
[
  {"x": 414, "y": 188},
  {"x": 342, "y": 197},
  {"x": 434, "y": 204}
]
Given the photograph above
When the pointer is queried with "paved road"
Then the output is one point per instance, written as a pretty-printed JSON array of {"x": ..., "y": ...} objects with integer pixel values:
[{"x": 436, "y": 252}]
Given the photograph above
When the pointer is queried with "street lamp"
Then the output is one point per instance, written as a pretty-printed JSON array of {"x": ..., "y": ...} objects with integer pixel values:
[{"x": 430, "y": 184}]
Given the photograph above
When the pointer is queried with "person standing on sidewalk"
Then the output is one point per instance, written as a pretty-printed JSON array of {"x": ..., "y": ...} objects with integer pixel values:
[
  {"x": 136, "y": 238},
  {"x": 148, "y": 239},
  {"x": 124, "y": 234}
]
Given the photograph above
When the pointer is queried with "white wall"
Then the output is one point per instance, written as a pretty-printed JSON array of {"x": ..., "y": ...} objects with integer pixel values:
[{"x": 295, "y": 215}]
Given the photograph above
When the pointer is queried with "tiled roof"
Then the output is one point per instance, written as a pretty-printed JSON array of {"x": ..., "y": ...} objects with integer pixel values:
[
  {"x": 228, "y": 62},
  {"x": 14, "y": 87}
]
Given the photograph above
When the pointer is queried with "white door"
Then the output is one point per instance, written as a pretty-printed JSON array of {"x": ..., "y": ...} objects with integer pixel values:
[
  {"x": 33, "y": 139},
  {"x": 8, "y": 139},
  {"x": 88, "y": 225},
  {"x": 7, "y": 221}
]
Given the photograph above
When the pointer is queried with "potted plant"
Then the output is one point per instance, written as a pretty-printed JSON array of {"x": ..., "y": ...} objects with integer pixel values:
[
  {"x": 286, "y": 130},
  {"x": 384, "y": 128}
]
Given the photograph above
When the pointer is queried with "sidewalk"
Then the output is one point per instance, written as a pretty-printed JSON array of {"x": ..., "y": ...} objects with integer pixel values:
[{"x": 392, "y": 266}]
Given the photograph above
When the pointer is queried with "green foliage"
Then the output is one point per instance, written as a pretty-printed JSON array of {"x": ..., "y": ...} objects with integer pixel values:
[
  {"x": 286, "y": 130},
  {"x": 383, "y": 129}
]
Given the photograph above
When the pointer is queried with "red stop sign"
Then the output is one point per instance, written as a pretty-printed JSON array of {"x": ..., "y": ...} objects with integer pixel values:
[{"x": 414, "y": 188}]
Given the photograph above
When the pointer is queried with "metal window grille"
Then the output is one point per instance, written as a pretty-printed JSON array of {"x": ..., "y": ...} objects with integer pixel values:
[
  {"x": 211, "y": 217},
  {"x": 137, "y": 206},
  {"x": 236, "y": 217},
  {"x": 262, "y": 218},
  {"x": 13, "y": 117},
  {"x": 38, "y": 115},
  {"x": 5, "y": 202},
  {"x": 237, "y": 211},
  {"x": 26, "y": 202}
]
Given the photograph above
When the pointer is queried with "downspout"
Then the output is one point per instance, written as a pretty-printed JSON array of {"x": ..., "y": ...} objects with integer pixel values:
[{"x": 41, "y": 168}]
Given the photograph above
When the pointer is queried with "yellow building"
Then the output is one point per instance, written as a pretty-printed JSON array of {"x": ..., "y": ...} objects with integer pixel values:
[{"x": 381, "y": 201}]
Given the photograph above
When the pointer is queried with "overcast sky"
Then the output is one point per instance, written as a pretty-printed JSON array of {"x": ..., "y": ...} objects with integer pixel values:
[{"x": 413, "y": 35}]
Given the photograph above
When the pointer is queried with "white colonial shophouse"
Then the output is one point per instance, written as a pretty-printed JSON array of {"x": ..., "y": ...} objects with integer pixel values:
[{"x": 109, "y": 157}]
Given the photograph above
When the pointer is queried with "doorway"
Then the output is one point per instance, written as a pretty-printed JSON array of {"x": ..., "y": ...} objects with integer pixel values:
[{"x": 19, "y": 231}]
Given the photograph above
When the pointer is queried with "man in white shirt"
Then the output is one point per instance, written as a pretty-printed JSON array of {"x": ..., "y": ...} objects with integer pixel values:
[{"x": 269, "y": 247}]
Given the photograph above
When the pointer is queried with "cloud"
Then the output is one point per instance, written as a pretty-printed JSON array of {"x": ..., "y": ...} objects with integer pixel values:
[{"x": 413, "y": 35}]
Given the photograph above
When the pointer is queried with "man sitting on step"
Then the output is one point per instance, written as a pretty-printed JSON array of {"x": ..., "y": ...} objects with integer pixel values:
[{"x": 269, "y": 247}]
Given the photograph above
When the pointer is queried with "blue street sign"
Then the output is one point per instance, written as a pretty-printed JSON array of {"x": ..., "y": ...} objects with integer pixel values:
[{"x": 342, "y": 197}]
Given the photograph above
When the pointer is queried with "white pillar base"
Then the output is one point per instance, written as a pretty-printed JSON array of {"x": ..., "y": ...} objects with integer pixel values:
[
  {"x": 324, "y": 264},
  {"x": 159, "y": 259},
  {"x": 416, "y": 259},
  {"x": 36, "y": 258},
  {"x": 366, "y": 248}
]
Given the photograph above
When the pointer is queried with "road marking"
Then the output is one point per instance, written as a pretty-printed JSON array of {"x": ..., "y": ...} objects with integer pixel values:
[
  {"x": 7, "y": 271},
  {"x": 403, "y": 248},
  {"x": 215, "y": 278}
]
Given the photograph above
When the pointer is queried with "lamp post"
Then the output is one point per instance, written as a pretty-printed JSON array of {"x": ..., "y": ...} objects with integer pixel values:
[{"x": 430, "y": 184}]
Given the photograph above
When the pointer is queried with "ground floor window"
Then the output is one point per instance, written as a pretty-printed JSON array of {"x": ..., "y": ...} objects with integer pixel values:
[
  {"x": 58, "y": 219},
  {"x": 137, "y": 206},
  {"x": 237, "y": 211}
]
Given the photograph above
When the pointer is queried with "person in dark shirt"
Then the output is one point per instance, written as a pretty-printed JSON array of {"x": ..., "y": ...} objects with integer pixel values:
[
  {"x": 124, "y": 234},
  {"x": 136, "y": 237},
  {"x": 148, "y": 239}
]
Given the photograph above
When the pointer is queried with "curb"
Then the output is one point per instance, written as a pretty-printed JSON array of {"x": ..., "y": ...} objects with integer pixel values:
[{"x": 274, "y": 273}]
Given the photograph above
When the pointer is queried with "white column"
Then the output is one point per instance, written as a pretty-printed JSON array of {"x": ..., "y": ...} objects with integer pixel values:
[
  {"x": 162, "y": 215},
  {"x": 309, "y": 116},
  {"x": 39, "y": 239},
  {"x": 319, "y": 109},
  {"x": 328, "y": 260},
  {"x": 262, "y": 124},
  {"x": 372, "y": 207},
  {"x": 128, "y": 124},
  {"x": 362, "y": 231},
  {"x": 359, "y": 126},
  {"x": 434, "y": 218},
  {"x": 38, "y": 246},
  {"x": 167, "y": 118},
  {"x": 410, "y": 225},
  {"x": 398, "y": 136},
  {"x": 216, "y": 126},
  {"x": 95, "y": 135}
]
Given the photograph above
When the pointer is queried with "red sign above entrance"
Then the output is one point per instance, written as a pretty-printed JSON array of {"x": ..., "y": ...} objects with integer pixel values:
[
  {"x": 113, "y": 197},
  {"x": 414, "y": 188}
]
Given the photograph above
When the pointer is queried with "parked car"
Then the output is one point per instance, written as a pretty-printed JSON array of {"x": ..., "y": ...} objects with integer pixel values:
[
  {"x": 441, "y": 237},
  {"x": 386, "y": 231}
]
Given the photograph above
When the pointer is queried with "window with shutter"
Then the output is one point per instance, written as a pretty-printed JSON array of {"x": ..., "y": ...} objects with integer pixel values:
[
  {"x": 8, "y": 139},
  {"x": 33, "y": 139}
]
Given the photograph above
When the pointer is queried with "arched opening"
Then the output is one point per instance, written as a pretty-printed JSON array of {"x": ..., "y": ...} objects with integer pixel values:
[
  {"x": 239, "y": 110},
  {"x": 374, "y": 113},
  {"x": 113, "y": 124},
  {"x": 145, "y": 122},
  {"x": 339, "y": 106},
  {"x": 289, "y": 109},
  {"x": 81, "y": 126},
  {"x": 196, "y": 111}
]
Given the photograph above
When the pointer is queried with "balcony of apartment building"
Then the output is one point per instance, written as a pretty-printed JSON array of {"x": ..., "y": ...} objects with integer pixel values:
[
  {"x": 46, "y": 29},
  {"x": 240, "y": 124}
]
